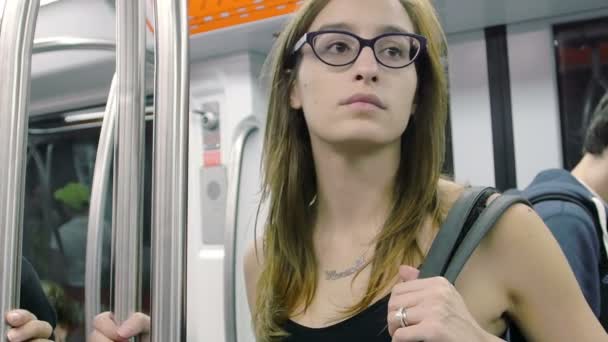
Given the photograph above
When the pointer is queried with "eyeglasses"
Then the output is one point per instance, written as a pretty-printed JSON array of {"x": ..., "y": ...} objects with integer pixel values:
[{"x": 341, "y": 48}]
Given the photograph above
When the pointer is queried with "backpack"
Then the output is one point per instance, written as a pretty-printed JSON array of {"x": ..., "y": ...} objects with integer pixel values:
[{"x": 596, "y": 211}]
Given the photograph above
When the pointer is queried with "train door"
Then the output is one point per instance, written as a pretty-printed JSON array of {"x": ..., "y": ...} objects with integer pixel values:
[{"x": 61, "y": 160}]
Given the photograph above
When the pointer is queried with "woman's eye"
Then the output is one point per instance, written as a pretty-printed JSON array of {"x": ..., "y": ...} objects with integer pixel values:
[
  {"x": 338, "y": 47},
  {"x": 393, "y": 52}
]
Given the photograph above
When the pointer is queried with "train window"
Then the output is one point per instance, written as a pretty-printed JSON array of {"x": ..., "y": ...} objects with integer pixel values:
[
  {"x": 581, "y": 50},
  {"x": 61, "y": 160}
]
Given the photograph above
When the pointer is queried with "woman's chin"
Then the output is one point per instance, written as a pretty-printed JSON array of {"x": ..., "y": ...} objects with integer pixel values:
[{"x": 362, "y": 142}]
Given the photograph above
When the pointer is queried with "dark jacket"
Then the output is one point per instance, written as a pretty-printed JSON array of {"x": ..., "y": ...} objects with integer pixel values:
[
  {"x": 574, "y": 229},
  {"x": 32, "y": 297}
]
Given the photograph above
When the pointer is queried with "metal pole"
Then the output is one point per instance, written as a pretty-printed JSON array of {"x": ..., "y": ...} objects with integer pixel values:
[
  {"x": 16, "y": 39},
  {"x": 101, "y": 178},
  {"x": 248, "y": 126},
  {"x": 170, "y": 178},
  {"x": 130, "y": 65}
]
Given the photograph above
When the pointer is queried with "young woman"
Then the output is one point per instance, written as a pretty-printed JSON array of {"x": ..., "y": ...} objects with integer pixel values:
[{"x": 353, "y": 151}]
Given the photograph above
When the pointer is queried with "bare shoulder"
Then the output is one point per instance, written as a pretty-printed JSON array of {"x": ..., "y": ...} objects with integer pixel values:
[
  {"x": 519, "y": 237},
  {"x": 252, "y": 264},
  {"x": 449, "y": 192},
  {"x": 519, "y": 225}
]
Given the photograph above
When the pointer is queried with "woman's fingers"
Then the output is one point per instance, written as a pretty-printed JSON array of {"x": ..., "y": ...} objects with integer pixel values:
[
  {"x": 406, "y": 301},
  {"x": 419, "y": 285},
  {"x": 412, "y": 316},
  {"x": 408, "y": 273},
  {"x": 414, "y": 333}
]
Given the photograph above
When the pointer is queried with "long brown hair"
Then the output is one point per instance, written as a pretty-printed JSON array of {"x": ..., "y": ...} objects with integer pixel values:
[{"x": 289, "y": 270}]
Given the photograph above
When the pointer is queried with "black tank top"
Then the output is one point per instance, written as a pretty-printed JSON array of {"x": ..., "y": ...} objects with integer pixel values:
[{"x": 369, "y": 325}]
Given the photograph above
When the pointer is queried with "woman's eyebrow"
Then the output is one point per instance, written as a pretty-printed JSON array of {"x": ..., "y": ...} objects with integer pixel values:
[
  {"x": 337, "y": 26},
  {"x": 350, "y": 28},
  {"x": 393, "y": 29}
]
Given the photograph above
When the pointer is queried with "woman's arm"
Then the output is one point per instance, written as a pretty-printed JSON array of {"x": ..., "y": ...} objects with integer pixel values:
[
  {"x": 546, "y": 301},
  {"x": 252, "y": 268}
]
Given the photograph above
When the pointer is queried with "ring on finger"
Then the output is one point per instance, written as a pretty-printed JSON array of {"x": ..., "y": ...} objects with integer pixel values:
[{"x": 401, "y": 317}]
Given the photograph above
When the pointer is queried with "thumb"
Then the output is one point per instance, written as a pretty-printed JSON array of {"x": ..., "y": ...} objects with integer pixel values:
[{"x": 407, "y": 273}]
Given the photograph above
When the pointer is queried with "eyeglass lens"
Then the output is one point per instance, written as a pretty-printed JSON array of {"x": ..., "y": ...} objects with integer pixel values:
[{"x": 341, "y": 49}]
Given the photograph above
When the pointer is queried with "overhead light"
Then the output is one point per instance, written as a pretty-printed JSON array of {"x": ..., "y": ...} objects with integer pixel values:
[
  {"x": 46, "y": 2},
  {"x": 83, "y": 117}
]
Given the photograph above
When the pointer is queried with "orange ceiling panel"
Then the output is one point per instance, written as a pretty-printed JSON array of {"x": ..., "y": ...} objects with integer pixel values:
[{"x": 207, "y": 15}]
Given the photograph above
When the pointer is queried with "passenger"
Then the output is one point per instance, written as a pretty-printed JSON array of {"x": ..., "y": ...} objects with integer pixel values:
[
  {"x": 576, "y": 226},
  {"x": 36, "y": 318},
  {"x": 74, "y": 198},
  {"x": 352, "y": 157}
]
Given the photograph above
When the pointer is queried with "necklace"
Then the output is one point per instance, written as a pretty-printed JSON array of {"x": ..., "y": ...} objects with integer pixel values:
[{"x": 358, "y": 266}]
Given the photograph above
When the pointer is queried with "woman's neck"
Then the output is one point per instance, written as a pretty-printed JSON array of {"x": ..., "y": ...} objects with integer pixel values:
[{"x": 354, "y": 190}]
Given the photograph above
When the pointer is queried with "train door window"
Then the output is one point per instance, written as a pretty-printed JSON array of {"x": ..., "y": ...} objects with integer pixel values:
[
  {"x": 61, "y": 160},
  {"x": 581, "y": 50}
]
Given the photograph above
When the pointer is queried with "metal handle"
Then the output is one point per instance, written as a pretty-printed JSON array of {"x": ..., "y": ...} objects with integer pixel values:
[
  {"x": 53, "y": 44},
  {"x": 243, "y": 131},
  {"x": 101, "y": 178},
  {"x": 170, "y": 180},
  {"x": 16, "y": 39},
  {"x": 128, "y": 180}
]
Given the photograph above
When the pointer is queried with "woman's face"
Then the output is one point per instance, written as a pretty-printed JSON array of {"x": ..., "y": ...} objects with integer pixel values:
[{"x": 326, "y": 93}]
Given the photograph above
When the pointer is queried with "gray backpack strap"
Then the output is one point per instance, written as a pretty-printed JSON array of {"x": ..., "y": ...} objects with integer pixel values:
[
  {"x": 478, "y": 231},
  {"x": 442, "y": 248}
]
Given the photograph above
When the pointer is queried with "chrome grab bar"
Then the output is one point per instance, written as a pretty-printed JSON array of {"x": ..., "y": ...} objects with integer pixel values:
[
  {"x": 128, "y": 179},
  {"x": 101, "y": 178},
  {"x": 170, "y": 171},
  {"x": 243, "y": 131},
  {"x": 17, "y": 28}
]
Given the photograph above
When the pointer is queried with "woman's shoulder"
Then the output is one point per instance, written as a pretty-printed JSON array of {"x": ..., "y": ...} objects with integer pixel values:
[
  {"x": 449, "y": 192},
  {"x": 512, "y": 224},
  {"x": 253, "y": 257}
]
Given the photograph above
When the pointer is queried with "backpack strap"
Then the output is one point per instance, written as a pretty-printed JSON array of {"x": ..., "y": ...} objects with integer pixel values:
[
  {"x": 478, "y": 231},
  {"x": 444, "y": 245},
  {"x": 585, "y": 204},
  {"x": 592, "y": 205}
]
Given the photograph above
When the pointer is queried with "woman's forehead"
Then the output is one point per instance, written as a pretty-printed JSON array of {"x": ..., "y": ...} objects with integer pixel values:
[{"x": 371, "y": 17}]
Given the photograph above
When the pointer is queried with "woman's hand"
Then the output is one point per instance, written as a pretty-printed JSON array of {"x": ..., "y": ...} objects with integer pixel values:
[
  {"x": 26, "y": 327},
  {"x": 106, "y": 329},
  {"x": 434, "y": 311}
]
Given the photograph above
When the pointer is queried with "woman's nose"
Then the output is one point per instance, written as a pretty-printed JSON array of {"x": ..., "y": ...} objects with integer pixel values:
[{"x": 366, "y": 66}]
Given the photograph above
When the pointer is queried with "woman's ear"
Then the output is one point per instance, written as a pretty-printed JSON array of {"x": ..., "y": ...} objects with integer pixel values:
[{"x": 295, "y": 100}]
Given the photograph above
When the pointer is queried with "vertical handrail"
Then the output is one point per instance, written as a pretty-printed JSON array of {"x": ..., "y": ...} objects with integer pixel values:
[
  {"x": 128, "y": 180},
  {"x": 170, "y": 171},
  {"x": 99, "y": 189},
  {"x": 16, "y": 39},
  {"x": 243, "y": 131}
]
